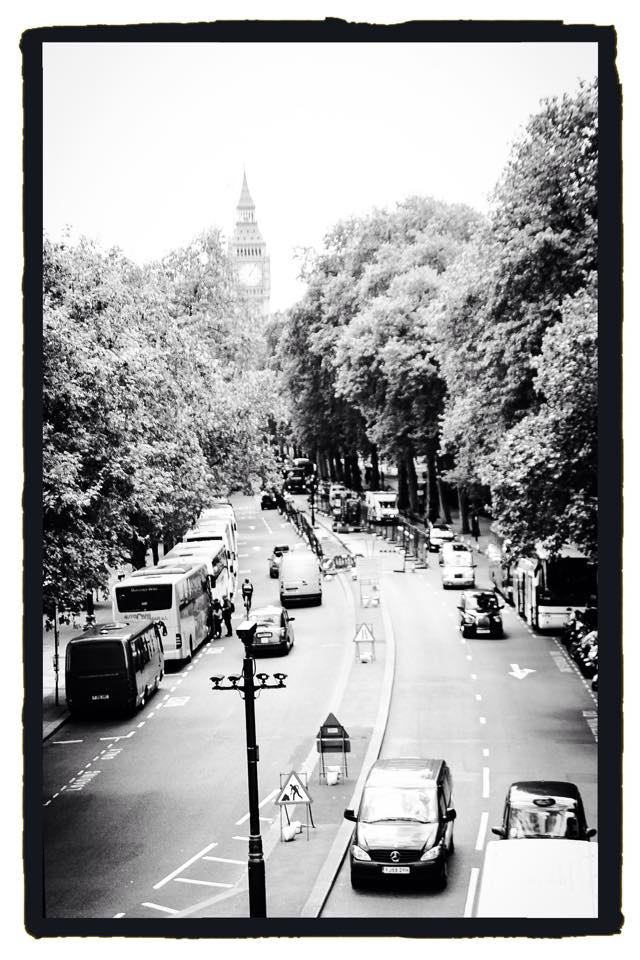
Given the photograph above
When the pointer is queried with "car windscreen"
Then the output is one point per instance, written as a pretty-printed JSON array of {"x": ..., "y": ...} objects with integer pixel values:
[
  {"x": 268, "y": 619},
  {"x": 458, "y": 558},
  {"x": 528, "y": 820},
  {"x": 398, "y": 803},
  {"x": 482, "y": 603},
  {"x": 148, "y": 596},
  {"x": 103, "y": 656}
]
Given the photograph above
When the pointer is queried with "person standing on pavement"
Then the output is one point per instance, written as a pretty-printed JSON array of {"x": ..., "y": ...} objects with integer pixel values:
[
  {"x": 475, "y": 526},
  {"x": 228, "y": 607},
  {"x": 216, "y": 619}
]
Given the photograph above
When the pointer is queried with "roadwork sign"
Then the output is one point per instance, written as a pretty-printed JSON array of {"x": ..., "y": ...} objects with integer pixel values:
[
  {"x": 293, "y": 791},
  {"x": 364, "y": 634}
]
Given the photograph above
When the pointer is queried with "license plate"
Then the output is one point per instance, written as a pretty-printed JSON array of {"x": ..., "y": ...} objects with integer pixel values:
[
  {"x": 100, "y": 696},
  {"x": 482, "y": 629},
  {"x": 396, "y": 869}
]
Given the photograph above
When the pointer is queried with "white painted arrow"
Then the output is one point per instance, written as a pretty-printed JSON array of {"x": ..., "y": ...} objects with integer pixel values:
[{"x": 519, "y": 672}]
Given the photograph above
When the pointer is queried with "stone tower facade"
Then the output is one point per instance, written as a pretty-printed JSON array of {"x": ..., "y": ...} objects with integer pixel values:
[{"x": 249, "y": 252}]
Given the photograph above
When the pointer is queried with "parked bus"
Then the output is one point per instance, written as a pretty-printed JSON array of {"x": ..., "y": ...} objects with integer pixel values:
[
  {"x": 546, "y": 590},
  {"x": 178, "y": 595},
  {"x": 114, "y": 665},
  {"x": 222, "y": 511},
  {"x": 215, "y": 555},
  {"x": 501, "y": 564},
  {"x": 216, "y": 532}
]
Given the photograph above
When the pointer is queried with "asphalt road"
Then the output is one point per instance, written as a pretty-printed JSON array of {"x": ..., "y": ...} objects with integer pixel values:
[
  {"x": 148, "y": 816},
  {"x": 464, "y": 701}
]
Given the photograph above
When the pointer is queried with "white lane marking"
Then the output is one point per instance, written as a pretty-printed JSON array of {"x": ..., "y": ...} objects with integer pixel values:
[
  {"x": 471, "y": 891},
  {"x": 156, "y": 906},
  {"x": 151, "y": 715},
  {"x": 485, "y": 782},
  {"x": 240, "y": 863},
  {"x": 87, "y": 764},
  {"x": 478, "y": 696},
  {"x": 483, "y": 719},
  {"x": 67, "y": 741},
  {"x": 242, "y": 556},
  {"x": 174, "y": 873},
  {"x": 485, "y": 751},
  {"x": 482, "y": 830},
  {"x": 55, "y": 795},
  {"x": 474, "y": 676},
  {"x": 269, "y": 796},
  {"x": 141, "y": 724},
  {"x": 203, "y": 883},
  {"x": 124, "y": 737},
  {"x": 520, "y": 672},
  {"x": 469, "y": 657},
  {"x": 97, "y": 757},
  {"x": 117, "y": 916},
  {"x": 240, "y": 838}
]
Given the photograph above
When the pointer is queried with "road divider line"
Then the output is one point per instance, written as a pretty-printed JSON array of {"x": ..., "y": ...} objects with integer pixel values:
[
  {"x": 238, "y": 863},
  {"x": 67, "y": 741},
  {"x": 482, "y": 719},
  {"x": 184, "y": 866},
  {"x": 485, "y": 783},
  {"x": 485, "y": 751},
  {"x": 471, "y": 891},
  {"x": 157, "y": 906},
  {"x": 246, "y": 839},
  {"x": 203, "y": 883},
  {"x": 482, "y": 830}
]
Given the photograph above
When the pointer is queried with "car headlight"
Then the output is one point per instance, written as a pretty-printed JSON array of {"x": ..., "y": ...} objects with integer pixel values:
[
  {"x": 467, "y": 618},
  {"x": 358, "y": 853},
  {"x": 432, "y": 854}
]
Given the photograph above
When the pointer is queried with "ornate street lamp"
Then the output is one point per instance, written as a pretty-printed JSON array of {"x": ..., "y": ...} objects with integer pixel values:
[{"x": 248, "y": 689}]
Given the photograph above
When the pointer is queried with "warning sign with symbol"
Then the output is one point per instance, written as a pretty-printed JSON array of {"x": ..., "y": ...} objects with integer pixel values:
[
  {"x": 293, "y": 791},
  {"x": 364, "y": 634}
]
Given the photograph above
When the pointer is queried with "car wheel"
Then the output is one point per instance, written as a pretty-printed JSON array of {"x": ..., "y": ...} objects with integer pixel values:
[
  {"x": 465, "y": 632},
  {"x": 452, "y": 847},
  {"x": 356, "y": 882}
]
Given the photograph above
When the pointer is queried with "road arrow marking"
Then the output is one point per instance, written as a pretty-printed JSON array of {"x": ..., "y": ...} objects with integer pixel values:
[{"x": 519, "y": 672}]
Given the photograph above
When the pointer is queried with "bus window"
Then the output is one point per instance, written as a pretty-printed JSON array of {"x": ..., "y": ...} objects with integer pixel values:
[{"x": 134, "y": 599}]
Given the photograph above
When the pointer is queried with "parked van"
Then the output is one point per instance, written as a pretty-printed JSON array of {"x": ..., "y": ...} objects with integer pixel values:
[
  {"x": 117, "y": 665},
  {"x": 457, "y": 565},
  {"x": 300, "y": 578},
  {"x": 539, "y": 878},
  {"x": 382, "y": 506}
]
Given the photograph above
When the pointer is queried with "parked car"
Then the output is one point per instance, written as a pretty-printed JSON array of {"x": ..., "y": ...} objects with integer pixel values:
[
  {"x": 274, "y": 633},
  {"x": 268, "y": 501},
  {"x": 404, "y": 824},
  {"x": 544, "y": 809},
  {"x": 276, "y": 559},
  {"x": 480, "y": 614},
  {"x": 439, "y": 533}
]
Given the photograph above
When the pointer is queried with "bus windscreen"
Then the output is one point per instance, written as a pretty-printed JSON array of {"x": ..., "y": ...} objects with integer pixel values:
[
  {"x": 144, "y": 598},
  {"x": 103, "y": 656}
]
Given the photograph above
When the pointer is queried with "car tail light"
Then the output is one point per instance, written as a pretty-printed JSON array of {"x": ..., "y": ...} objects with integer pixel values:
[{"x": 178, "y": 641}]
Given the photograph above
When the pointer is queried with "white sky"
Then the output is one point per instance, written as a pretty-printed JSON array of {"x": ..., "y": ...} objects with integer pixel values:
[{"x": 144, "y": 144}]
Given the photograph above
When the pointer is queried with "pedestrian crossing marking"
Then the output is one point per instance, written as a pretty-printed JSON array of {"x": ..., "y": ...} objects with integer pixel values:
[{"x": 293, "y": 791}]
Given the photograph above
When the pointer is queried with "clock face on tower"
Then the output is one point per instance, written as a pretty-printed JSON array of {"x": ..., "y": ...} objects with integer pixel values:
[{"x": 250, "y": 274}]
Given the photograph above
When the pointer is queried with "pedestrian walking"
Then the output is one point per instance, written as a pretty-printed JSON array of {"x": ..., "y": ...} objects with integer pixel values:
[
  {"x": 216, "y": 619},
  {"x": 228, "y": 607},
  {"x": 475, "y": 526}
]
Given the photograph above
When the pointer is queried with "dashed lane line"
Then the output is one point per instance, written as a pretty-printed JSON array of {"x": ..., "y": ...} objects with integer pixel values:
[
  {"x": 482, "y": 719},
  {"x": 67, "y": 741},
  {"x": 485, "y": 783},
  {"x": 471, "y": 891},
  {"x": 485, "y": 751},
  {"x": 482, "y": 830}
]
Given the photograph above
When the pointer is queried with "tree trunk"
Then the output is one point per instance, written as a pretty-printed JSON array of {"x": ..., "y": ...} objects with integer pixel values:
[
  {"x": 464, "y": 509},
  {"x": 339, "y": 470},
  {"x": 432, "y": 499},
  {"x": 154, "y": 551},
  {"x": 412, "y": 480},
  {"x": 138, "y": 554},
  {"x": 403, "y": 492},
  {"x": 375, "y": 469},
  {"x": 446, "y": 512},
  {"x": 356, "y": 475},
  {"x": 348, "y": 482}
]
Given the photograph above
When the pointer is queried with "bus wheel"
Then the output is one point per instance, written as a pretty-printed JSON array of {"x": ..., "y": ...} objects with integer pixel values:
[{"x": 190, "y": 648}]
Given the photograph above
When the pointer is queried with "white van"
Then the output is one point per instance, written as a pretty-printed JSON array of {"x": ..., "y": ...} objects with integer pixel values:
[
  {"x": 539, "y": 878},
  {"x": 300, "y": 578},
  {"x": 457, "y": 565},
  {"x": 382, "y": 506}
]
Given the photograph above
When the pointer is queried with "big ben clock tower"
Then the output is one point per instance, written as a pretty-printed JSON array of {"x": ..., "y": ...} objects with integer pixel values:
[{"x": 249, "y": 253}]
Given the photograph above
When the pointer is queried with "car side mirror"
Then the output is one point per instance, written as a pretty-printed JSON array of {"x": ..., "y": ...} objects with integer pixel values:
[
  {"x": 591, "y": 833},
  {"x": 499, "y": 832},
  {"x": 350, "y": 815},
  {"x": 291, "y": 619},
  {"x": 501, "y": 606},
  {"x": 441, "y": 562},
  {"x": 459, "y": 606},
  {"x": 451, "y": 815}
]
